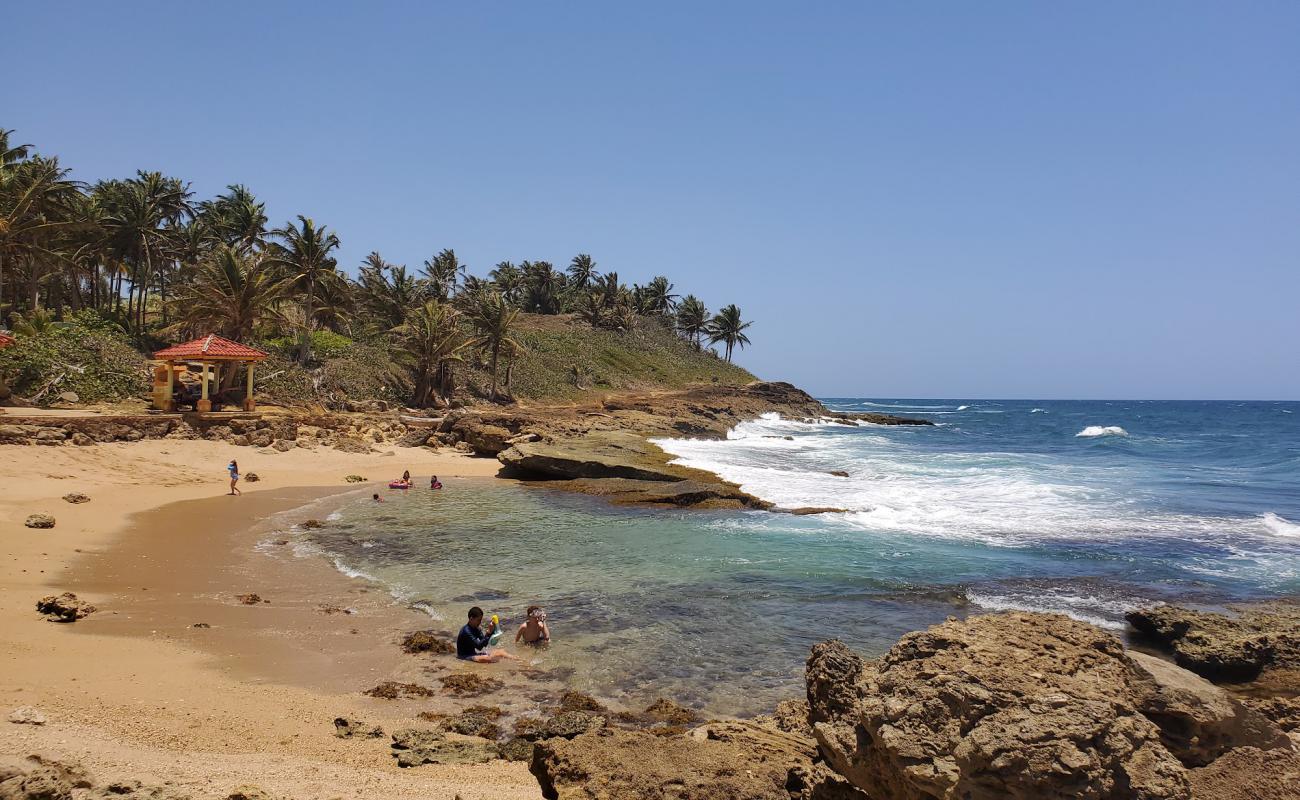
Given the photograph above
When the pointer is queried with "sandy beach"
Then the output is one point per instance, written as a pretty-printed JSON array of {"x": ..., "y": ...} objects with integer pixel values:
[{"x": 135, "y": 692}]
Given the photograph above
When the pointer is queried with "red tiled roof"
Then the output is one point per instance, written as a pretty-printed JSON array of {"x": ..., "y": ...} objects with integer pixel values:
[
  {"x": 5, "y": 340},
  {"x": 211, "y": 347}
]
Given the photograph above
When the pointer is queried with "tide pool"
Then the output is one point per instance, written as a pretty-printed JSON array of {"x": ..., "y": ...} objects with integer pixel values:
[{"x": 1083, "y": 508}]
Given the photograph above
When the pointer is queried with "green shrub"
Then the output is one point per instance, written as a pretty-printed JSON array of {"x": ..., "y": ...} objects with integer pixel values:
[
  {"x": 324, "y": 345},
  {"x": 87, "y": 355}
]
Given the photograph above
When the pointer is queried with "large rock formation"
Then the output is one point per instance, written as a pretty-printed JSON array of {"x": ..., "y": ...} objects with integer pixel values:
[
  {"x": 1227, "y": 648},
  {"x": 1023, "y": 706},
  {"x": 613, "y": 454}
]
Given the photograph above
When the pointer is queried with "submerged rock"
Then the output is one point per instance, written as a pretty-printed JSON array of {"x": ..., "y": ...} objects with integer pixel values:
[{"x": 1021, "y": 706}]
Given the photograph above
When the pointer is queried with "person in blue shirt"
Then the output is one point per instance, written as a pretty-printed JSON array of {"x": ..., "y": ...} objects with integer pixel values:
[{"x": 472, "y": 642}]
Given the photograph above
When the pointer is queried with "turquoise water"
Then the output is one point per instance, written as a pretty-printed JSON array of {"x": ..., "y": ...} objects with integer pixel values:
[{"x": 1083, "y": 508}]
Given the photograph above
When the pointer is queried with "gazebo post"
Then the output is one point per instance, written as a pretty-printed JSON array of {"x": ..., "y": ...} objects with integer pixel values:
[
  {"x": 249, "y": 404},
  {"x": 171, "y": 386},
  {"x": 204, "y": 403}
]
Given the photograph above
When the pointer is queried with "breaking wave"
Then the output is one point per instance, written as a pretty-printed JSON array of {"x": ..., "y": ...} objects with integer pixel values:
[
  {"x": 1093, "y": 431},
  {"x": 1279, "y": 526}
]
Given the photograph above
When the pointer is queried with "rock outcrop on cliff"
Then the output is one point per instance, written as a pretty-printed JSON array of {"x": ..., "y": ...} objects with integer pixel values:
[{"x": 1027, "y": 706}]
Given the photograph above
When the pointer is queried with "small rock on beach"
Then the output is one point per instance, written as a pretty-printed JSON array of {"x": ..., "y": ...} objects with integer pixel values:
[
  {"x": 26, "y": 715},
  {"x": 64, "y": 607}
]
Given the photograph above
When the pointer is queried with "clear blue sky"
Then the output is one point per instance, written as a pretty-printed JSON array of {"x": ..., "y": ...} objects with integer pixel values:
[{"x": 1081, "y": 199}]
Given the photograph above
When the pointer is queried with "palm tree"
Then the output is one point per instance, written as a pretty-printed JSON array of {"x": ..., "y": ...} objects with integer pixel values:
[
  {"x": 431, "y": 338},
  {"x": 38, "y": 206},
  {"x": 582, "y": 272},
  {"x": 305, "y": 254},
  {"x": 493, "y": 319},
  {"x": 543, "y": 286},
  {"x": 727, "y": 328},
  {"x": 140, "y": 213},
  {"x": 387, "y": 292},
  {"x": 11, "y": 154},
  {"x": 443, "y": 272},
  {"x": 236, "y": 218},
  {"x": 692, "y": 319},
  {"x": 591, "y": 308},
  {"x": 231, "y": 293},
  {"x": 509, "y": 280},
  {"x": 658, "y": 297}
]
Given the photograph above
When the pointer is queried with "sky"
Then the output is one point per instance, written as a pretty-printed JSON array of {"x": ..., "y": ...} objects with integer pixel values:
[{"x": 947, "y": 199}]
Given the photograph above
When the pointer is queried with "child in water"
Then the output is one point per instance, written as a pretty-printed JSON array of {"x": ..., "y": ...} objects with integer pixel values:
[{"x": 534, "y": 630}]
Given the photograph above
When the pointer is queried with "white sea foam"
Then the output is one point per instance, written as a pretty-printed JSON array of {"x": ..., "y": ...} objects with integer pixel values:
[
  {"x": 1093, "y": 431},
  {"x": 1001, "y": 499},
  {"x": 427, "y": 608},
  {"x": 1037, "y": 411},
  {"x": 1099, "y": 611},
  {"x": 1278, "y": 526},
  {"x": 352, "y": 572},
  {"x": 962, "y": 408}
]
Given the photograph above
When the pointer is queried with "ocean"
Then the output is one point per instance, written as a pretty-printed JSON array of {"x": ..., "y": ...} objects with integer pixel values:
[{"x": 1083, "y": 508}]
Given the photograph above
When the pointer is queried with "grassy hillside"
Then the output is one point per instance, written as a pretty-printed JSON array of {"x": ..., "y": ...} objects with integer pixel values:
[
  {"x": 565, "y": 358},
  {"x": 562, "y": 358}
]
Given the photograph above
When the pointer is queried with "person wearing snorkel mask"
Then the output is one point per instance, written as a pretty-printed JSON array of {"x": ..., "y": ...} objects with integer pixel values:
[{"x": 534, "y": 630}]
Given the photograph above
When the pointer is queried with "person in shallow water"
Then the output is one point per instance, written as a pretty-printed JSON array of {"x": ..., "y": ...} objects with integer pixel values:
[
  {"x": 534, "y": 630},
  {"x": 472, "y": 641},
  {"x": 434, "y": 483}
]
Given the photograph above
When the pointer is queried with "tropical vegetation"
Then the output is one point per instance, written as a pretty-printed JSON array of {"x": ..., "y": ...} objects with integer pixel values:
[{"x": 141, "y": 259}]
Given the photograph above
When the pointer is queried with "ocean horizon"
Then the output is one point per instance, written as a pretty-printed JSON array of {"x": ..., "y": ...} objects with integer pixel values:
[{"x": 1086, "y": 508}]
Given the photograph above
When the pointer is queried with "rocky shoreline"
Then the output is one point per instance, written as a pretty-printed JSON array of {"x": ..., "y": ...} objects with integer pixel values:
[
  {"x": 600, "y": 448},
  {"x": 1008, "y": 705}
]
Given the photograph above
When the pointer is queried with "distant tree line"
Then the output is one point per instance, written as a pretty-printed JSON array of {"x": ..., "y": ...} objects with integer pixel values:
[{"x": 142, "y": 253}]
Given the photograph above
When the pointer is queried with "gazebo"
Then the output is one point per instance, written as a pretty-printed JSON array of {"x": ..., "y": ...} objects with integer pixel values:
[{"x": 209, "y": 351}]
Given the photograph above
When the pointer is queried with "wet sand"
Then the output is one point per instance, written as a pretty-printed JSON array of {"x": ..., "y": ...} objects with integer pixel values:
[{"x": 135, "y": 692}]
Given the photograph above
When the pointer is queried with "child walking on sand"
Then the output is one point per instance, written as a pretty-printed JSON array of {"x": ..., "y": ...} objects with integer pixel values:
[{"x": 233, "y": 467}]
